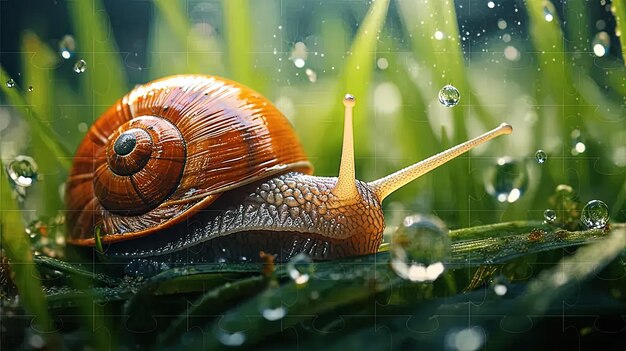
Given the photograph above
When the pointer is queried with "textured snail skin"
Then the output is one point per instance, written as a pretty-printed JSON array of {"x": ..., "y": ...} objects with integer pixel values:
[
  {"x": 196, "y": 168},
  {"x": 284, "y": 215}
]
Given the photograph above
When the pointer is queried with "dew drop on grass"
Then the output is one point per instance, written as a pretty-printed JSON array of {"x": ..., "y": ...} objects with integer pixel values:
[
  {"x": 231, "y": 330},
  {"x": 419, "y": 248},
  {"x": 67, "y": 45},
  {"x": 449, "y": 96},
  {"x": 311, "y": 75},
  {"x": 549, "y": 215},
  {"x": 80, "y": 66},
  {"x": 31, "y": 88},
  {"x": 467, "y": 339},
  {"x": 595, "y": 214},
  {"x": 541, "y": 156},
  {"x": 500, "y": 285},
  {"x": 271, "y": 305},
  {"x": 547, "y": 14},
  {"x": 601, "y": 44},
  {"x": 23, "y": 171},
  {"x": 10, "y": 83},
  {"x": 300, "y": 267},
  {"x": 507, "y": 180}
]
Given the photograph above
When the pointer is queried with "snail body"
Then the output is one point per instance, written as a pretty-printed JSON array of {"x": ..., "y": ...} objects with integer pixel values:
[{"x": 195, "y": 168}]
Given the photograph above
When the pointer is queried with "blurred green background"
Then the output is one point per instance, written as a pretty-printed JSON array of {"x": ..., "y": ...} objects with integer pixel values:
[{"x": 552, "y": 69}]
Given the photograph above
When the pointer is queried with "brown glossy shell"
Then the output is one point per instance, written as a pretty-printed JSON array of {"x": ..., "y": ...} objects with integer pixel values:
[{"x": 196, "y": 137}]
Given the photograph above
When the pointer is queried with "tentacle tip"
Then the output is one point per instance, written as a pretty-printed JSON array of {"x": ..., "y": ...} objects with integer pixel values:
[
  {"x": 349, "y": 100},
  {"x": 506, "y": 128}
]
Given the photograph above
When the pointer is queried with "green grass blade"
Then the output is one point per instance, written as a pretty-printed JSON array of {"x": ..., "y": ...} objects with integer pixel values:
[
  {"x": 39, "y": 129},
  {"x": 104, "y": 80},
  {"x": 177, "y": 47},
  {"x": 355, "y": 78},
  {"x": 38, "y": 62},
  {"x": 618, "y": 7},
  {"x": 15, "y": 244},
  {"x": 239, "y": 40}
]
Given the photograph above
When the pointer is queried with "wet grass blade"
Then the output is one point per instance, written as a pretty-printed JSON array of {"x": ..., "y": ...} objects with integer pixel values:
[
  {"x": 39, "y": 129},
  {"x": 618, "y": 7},
  {"x": 355, "y": 78},
  {"x": 104, "y": 80},
  {"x": 17, "y": 248},
  {"x": 238, "y": 30},
  {"x": 39, "y": 63}
]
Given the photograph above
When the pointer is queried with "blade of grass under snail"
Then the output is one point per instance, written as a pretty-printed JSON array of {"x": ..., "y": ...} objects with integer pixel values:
[
  {"x": 74, "y": 271},
  {"x": 172, "y": 35},
  {"x": 38, "y": 128},
  {"x": 618, "y": 7},
  {"x": 17, "y": 248},
  {"x": 213, "y": 303},
  {"x": 104, "y": 80},
  {"x": 38, "y": 63}
]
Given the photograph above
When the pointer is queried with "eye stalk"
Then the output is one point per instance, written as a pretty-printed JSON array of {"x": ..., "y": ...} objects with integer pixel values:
[{"x": 345, "y": 190}]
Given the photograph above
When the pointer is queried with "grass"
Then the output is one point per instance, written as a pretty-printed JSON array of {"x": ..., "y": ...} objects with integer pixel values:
[{"x": 554, "y": 87}]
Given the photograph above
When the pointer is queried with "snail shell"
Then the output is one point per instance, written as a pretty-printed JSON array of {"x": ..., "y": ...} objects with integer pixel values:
[{"x": 171, "y": 148}]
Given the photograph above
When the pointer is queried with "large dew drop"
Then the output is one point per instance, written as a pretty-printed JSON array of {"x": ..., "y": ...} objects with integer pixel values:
[
  {"x": 595, "y": 214},
  {"x": 507, "y": 180},
  {"x": 22, "y": 171},
  {"x": 549, "y": 216},
  {"x": 10, "y": 83},
  {"x": 449, "y": 96},
  {"x": 419, "y": 248},
  {"x": 300, "y": 267}
]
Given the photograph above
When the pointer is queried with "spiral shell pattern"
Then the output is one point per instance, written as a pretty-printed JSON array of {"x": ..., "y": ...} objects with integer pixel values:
[{"x": 170, "y": 148}]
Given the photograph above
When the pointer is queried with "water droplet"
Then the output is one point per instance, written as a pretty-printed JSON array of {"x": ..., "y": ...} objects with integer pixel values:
[
  {"x": 468, "y": 339},
  {"x": 67, "y": 45},
  {"x": 500, "y": 285},
  {"x": 449, "y": 96},
  {"x": 564, "y": 190},
  {"x": 595, "y": 214},
  {"x": 382, "y": 63},
  {"x": 439, "y": 35},
  {"x": 507, "y": 180},
  {"x": 271, "y": 305},
  {"x": 22, "y": 171},
  {"x": 300, "y": 267},
  {"x": 491, "y": 4},
  {"x": 547, "y": 14},
  {"x": 231, "y": 330},
  {"x": 601, "y": 44},
  {"x": 299, "y": 54},
  {"x": 419, "y": 247},
  {"x": 549, "y": 215},
  {"x": 10, "y": 83},
  {"x": 30, "y": 88},
  {"x": 541, "y": 156},
  {"x": 311, "y": 75},
  {"x": 80, "y": 66}
]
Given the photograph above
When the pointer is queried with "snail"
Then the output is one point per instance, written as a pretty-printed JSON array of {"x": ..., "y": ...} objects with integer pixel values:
[{"x": 195, "y": 168}]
